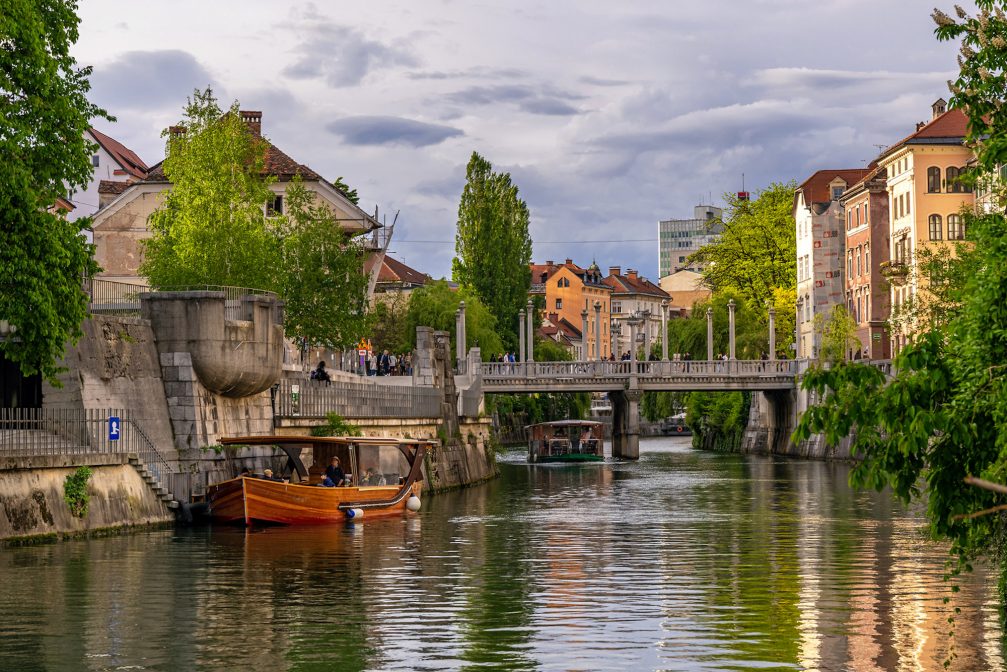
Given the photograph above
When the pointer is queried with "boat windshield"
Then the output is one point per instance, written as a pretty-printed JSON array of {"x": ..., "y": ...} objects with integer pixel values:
[{"x": 381, "y": 465}]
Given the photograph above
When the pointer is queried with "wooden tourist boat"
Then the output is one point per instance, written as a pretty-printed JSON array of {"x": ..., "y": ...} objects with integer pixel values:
[
  {"x": 390, "y": 486},
  {"x": 675, "y": 426},
  {"x": 566, "y": 441}
]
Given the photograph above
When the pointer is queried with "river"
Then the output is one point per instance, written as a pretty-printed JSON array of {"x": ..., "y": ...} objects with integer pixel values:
[{"x": 684, "y": 560}]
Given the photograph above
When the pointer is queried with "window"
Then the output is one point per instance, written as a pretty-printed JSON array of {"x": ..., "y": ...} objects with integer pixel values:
[
  {"x": 681, "y": 259},
  {"x": 951, "y": 177},
  {"x": 616, "y": 307},
  {"x": 867, "y": 258},
  {"x": 559, "y": 304},
  {"x": 934, "y": 180},
  {"x": 275, "y": 207},
  {"x": 860, "y": 261},
  {"x": 849, "y": 265},
  {"x": 95, "y": 160},
  {"x": 955, "y": 229},
  {"x": 837, "y": 192},
  {"x": 935, "y": 227},
  {"x": 858, "y": 216},
  {"x": 909, "y": 208}
]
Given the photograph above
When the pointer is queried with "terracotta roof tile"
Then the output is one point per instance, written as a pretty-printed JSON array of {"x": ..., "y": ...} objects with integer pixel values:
[
  {"x": 123, "y": 155},
  {"x": 952, "y": 126},
  {"x": 393, "y": 270},
  {"x": 816, "y": 187},
  {"x": 112, "y": 187},
  {"x": 624, "y": 284}
]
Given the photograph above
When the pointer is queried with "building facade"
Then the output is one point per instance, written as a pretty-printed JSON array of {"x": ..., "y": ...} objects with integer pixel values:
[
  {"x": 685, "y": 288},
  {"x": 819, "y": 219},
  {"x": 867, "y": 249},
  {"x": 111, "y": 162},
  {"x": 679, "y": 238},
  {"x": 120, "y": 226},
  {"x": 925, "y": 198},
  {"x": 633, "y": 295},
  {"x": 570, "y": 291}
]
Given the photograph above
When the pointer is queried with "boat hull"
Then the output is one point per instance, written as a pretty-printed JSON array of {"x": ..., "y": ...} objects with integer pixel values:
[
  {"x": 567, "y": 458},
  {"x": 251, "y": 500}
]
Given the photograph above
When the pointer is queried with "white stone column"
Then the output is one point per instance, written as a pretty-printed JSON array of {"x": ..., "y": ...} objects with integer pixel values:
[
  {"x": 597, "y": 330},
  {"x": 531, "y": 330},
  {"x": 709, "y": 334},
  {"x": 772, "y": 332},
  {"x": 664, "y": 330},
  {"x": 459, "y": 346},
  {"x": 730, "y": 318},
  {"x": 465, "y": 337},
  {"x": 521, "y": 334},
  {"x": 585, "y": 354}
]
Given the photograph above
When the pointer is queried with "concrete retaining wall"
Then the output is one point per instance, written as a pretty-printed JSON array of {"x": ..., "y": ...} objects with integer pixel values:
[
  {"x": 772, "y": 419},
  {"x": 32, "y": 501}
]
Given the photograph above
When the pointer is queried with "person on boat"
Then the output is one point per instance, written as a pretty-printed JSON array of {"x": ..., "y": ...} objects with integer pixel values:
[
  {"x": 327, "y": 483},
  {"x": 372, "y": 477},
  {"x": 245, "y": 472},
  {"x": 335, "y": 472},
  {"x": 320, "y": 374},
  {"x": 585, "y": 439},
  {"x": 267, "y": 474}
]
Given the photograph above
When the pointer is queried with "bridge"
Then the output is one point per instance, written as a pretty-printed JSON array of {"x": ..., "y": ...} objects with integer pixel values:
[{"x": 647, "y": 376}]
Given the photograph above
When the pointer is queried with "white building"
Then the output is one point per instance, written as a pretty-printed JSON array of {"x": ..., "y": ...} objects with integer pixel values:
[
  {"x": 821, "y": 226},
  {"x": 111, "y": 162},
  {"x": 633, "y": 295},
  {"x": 678, "y": 238}
]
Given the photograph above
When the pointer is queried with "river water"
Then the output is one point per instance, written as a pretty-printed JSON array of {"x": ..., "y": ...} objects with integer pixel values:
[{"x": 684, "y": 560}]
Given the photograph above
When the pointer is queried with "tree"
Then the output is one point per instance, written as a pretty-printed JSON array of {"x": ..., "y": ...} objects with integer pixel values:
[
  {"x": 435, "y": 304},
  {"x": 44, "y": 113},
  {"x": 941, "y": 417},
  {"x": 492, "y": 244},
  {"x": 210, "y": 228},
  {"x": 838, "y": 332},
  {"x": 321, "y": 275},
  {"x": 756, "y": 254},
  {"x": 388, "y": 322}
]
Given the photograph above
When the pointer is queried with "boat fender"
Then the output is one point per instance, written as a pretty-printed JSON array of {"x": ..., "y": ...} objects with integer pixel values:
[
  {"x": 413, "y": 503},
  {"x": 353, "y": 514}
]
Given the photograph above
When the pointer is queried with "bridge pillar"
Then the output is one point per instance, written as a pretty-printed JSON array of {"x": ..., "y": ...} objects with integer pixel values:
[
  {"x": 585, "y": 354},
  {"x": 597, "y": 330},
  {"x": 626, "y": 424},
  {"x": 664, "y": 330},
  {"x": 772, "y": 332},
  {"x": 709, "y": 334},
  {"x": 531, "y": 330},
  {"x": 730, "y": 316}
]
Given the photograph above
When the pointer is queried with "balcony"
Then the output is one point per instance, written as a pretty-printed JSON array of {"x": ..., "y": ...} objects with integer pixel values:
[{"x": 896, "y": 272}]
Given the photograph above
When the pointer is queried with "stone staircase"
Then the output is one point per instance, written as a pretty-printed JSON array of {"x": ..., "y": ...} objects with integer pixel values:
[{"x": 151, "y": 480}]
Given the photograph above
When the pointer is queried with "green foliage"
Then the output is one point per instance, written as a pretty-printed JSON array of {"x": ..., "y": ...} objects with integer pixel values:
[
  {"x": 549, "y": 350},
  {"x": 434, "y": 305},
  {"x": 944, "y": 414},
  {"x": 547, "y": 406},
  {"x": 757, "y": 252},
  {"x": 838, "y": 332},
  {"x": 44, "y": 113},
  {"x": 321, "y": 273},
  {"x": 657, "y": 405},
  {"x": 492, "y": 245},
  {"x": 344, "y": 189},
  {"x": 688, "y": 335},
  {"x": 210, "y": 228},
  {"x": 388, "y": 323},
  {"x": 75, "y": 492},
  {"x": 336, "y": 425},
  {"x": 717, "y": 419}
]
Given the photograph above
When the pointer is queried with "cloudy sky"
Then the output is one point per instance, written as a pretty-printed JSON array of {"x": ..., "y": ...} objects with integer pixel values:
[{"x": 609, "y": 115}]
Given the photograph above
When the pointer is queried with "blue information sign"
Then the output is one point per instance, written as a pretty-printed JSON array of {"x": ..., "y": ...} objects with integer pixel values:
[{"x": 113, "y": 428}]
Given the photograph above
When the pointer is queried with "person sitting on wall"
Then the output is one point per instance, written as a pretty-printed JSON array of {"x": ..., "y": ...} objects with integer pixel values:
[
  {"x": 335, "y": 473},
  {"x": 320, "y": 374}
]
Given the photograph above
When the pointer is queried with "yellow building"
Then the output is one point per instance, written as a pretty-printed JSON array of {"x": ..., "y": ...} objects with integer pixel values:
[
  {"x": 569, "y": 291},
  {"x": 924, "y": 200}
]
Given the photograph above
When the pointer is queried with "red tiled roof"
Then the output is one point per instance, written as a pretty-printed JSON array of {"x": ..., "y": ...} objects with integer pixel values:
[
  {"x": 124, "y": 156},
  {"x": 952, "y": 125},
  {"x": 393, "y": 270},
  {"x": 624, "y": 284},
  {"x": 277, "y": 164},
  {"x": 112, "y": 187},
  {"x": 816, "y": 187}
]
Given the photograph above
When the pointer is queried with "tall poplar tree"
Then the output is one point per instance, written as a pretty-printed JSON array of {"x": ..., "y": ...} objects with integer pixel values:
[
  {"x": 492, "y": 244},
  {"x": 44, "y": 113}
]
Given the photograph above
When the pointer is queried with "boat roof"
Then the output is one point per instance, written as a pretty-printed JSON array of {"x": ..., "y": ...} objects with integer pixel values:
[
  {"x": 268, "y": 440},
  {"x": 565, "y": 423}
]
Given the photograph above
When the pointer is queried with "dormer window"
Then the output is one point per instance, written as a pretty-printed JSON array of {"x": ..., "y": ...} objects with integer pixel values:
[{"x": 837, "y": 192}]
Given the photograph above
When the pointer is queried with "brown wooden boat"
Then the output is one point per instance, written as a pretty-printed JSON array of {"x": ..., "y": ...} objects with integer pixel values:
[{"x": 386, "y": 473}]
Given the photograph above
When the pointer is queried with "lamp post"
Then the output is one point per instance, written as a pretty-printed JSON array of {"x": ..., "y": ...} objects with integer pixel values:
[
  {"x": 664, "y": 330},
  {"x": 730, "y": 326}
]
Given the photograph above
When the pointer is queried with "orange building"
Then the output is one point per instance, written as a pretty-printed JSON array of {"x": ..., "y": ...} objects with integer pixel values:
[
  {"x": 569, "y": 291},
  {"x": 924, "y": 199}
]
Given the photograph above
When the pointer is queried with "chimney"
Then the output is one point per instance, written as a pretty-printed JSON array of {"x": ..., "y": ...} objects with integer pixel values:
[
  {"x": 631, "y": 273},
  {"x": 549, "y": 263},
  {"x": 939, "y": 107},
  {"x": 254, "y": 121},
  {"x": 615, "y": 270},
  {"x": 569, "y": 262},
  {"x": 920, "y": 124},
  {"x": 176, "y": 131},
  {"x": 554, "y": 319}
]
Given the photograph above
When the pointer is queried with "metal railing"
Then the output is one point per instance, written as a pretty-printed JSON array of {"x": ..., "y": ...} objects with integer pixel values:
[
  {"x": 353, "y": 400},
  {"x": 40, "y": 432},
  {"x": 109, "y": 297}
]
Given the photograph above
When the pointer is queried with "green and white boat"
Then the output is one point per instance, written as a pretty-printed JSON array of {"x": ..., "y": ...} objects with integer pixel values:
[{"x": 566, "y": 441}]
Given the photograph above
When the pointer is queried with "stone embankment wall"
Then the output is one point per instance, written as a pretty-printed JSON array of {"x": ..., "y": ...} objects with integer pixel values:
[{"x": 31, "y": 494}]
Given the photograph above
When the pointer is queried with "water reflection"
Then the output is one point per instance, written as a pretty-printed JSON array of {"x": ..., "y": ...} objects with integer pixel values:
[{"x": 683, "y": 561}]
